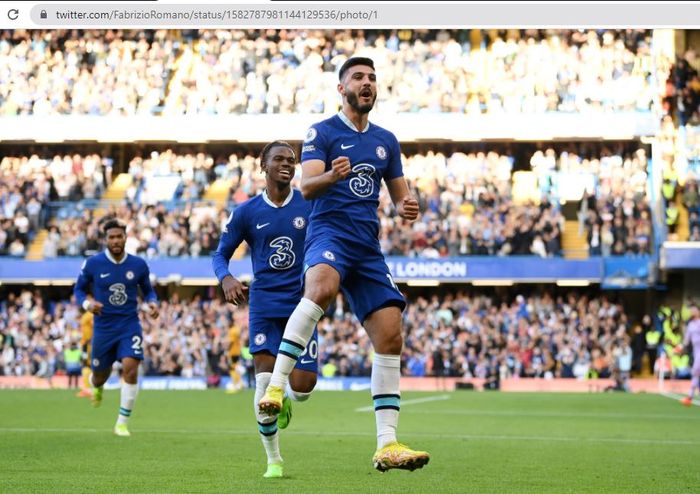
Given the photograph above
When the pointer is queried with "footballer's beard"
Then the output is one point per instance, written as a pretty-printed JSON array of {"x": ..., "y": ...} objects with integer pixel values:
[
  {"x": 116, "y": 250},
  {"x": 354, "y": 102}
]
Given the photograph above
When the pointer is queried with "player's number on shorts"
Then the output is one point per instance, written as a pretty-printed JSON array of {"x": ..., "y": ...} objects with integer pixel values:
[
  {"x": 136, "y": 343},
  {"x": 391, "y": 280},
  {"x": 284, "y": 257},
  {"x": 311, "y": 350}
]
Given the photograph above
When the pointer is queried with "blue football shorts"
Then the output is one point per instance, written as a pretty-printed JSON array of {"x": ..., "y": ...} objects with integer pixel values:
[
  {"x": 365, "y": 278},
  {"x": 266, "y": 336},
  {"x": 116, "y": 344}
]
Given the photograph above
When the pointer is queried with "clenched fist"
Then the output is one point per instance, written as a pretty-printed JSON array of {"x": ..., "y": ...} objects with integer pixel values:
[{"x": 340, "y": 168}]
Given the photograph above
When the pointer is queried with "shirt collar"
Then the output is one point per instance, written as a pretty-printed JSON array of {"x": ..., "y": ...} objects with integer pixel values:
[
  {"x": 109, "y": 256},
  {"x": 266, "y": 198},
  {"x": 347, "y": 122}
]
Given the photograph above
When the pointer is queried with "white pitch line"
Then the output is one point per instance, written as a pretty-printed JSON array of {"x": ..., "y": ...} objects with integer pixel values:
[
  {"x": 409, "y": 402},
  {"x": 48, "y": 429},
  {"x": 230, "y": 432},
  {"x": 460, "y": 437},
  {"x": 676, "y": 396},
  {"x": 593, "y": 415}
]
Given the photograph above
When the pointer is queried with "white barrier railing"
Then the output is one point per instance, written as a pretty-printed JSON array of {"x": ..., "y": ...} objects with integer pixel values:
[{"x": 408, "y": 127}]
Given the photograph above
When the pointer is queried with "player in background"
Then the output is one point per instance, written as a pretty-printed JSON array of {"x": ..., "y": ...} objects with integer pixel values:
[
  {"x": 86, "y": 326},
  {"x": 692, "y": 337},
  {"x": 234, "y": 356},
  {"x": 274, "y": 226},
  {"x": 71, "y": 357},
  {"x": 344, "y": 160},
  {"x": 115, "y": 277}
]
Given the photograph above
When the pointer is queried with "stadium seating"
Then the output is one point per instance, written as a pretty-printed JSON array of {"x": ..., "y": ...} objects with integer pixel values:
[
  {"x": 459, "y": 194},
  {"x": 458, "y": 334},
  {"x": 247, "y": 71}
]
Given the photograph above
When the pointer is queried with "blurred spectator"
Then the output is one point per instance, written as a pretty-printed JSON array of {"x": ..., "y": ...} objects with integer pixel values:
[
  {"x": 680, "y": 144},
  {"x": 466, "y": 199},
  {"x": 29, "y": 183},
  {"x": 152, "y": 231},
  {"x": 458, "y": 335},
  {"x": 126, "y": 72},
  {"x": 92, "y": 72}
]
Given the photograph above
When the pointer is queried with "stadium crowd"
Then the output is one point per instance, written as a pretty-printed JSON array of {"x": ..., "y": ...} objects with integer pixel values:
[
  {"x": 29, "y": 183},
  {"x": 468, "y": 199},
  {"x": 468, "y": 208},
  {"x": 126, "y": 72},
  {"x": 189, "y": 231},
  {"x": 679, "y": 141},
  {"x": 458, "y": 334},
  {"x": 614, "y": 211},
  {"x": 42, "y": 192},
  {"x": 91, "y": 72},
  {"x": 194, "y": 171},
  {"x": 170, "y": 72},
  {"x": 682, "y": 95}
]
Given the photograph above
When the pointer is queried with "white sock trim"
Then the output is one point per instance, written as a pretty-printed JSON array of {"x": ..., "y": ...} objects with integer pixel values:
[
  {"x": 310, "y": 308},
  {"x": 385, "y": 360},
  {"x": 297, "y": 333},
  {"x": 262, "y": 379},
  {"x": 385, "y": 381},
  {"x": 298, "y": 395},
  {"x": 126, "y": 401},
  {"x": 270, "y": 443}
]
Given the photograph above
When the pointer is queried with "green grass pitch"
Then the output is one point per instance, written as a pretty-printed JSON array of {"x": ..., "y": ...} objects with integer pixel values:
[{"x": 206, "y": 441}]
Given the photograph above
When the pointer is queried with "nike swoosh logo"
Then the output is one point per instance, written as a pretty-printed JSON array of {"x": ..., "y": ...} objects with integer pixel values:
[
  {"x": 302, "y": 361},
  {"x": 343, "y": 146},
  {"x": 259, "y": 226},
  {"x": 104, "y": 275}
]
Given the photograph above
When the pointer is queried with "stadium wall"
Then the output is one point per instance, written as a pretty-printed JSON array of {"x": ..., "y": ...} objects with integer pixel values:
[{"x": 680, "y": 255}]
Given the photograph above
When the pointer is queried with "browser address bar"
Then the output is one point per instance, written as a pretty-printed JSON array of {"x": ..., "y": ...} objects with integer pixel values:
[
  {"x": 198, "y": 14},
  {"x": 386, "y": 15}
]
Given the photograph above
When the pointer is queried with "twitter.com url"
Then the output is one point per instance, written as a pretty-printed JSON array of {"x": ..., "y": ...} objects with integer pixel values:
[{"x": 225, "y": 14}]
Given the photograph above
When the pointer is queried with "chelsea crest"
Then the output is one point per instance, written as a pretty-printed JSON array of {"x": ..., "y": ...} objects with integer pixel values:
[{"x": 299, "y": 222}]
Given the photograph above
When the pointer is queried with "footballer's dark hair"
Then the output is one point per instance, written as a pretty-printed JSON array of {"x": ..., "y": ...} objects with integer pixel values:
[
  {"x": 112, "y": 223},
  {"x": 351, "y": 62},
  {"x": 265, "y": 153}
]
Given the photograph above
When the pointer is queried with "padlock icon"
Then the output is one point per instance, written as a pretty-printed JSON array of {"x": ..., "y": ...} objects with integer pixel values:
[{"x": 43, "y": 14}]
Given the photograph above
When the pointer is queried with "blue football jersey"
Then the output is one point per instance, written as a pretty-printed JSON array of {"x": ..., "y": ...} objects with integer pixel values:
[
  {"x": 115, "y": 286},
  {"x": 276, "y": 238},
  {"x": 348, "y": 209}
]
